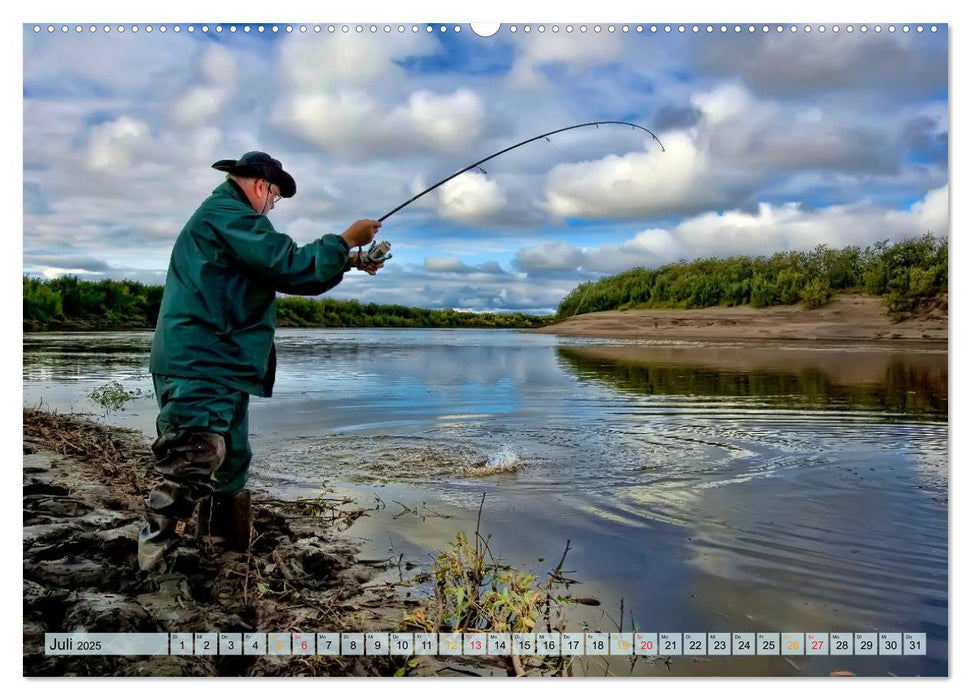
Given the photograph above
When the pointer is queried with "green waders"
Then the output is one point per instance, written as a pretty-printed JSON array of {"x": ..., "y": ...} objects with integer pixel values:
[{"x": 202, "y": 448}]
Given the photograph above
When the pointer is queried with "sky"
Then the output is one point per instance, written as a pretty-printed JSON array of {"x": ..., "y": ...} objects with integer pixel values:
[{"x": 772, "y": 141}]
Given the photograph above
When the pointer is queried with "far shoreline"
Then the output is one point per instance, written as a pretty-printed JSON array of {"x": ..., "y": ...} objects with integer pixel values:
[{"x": 848, "y": 318}]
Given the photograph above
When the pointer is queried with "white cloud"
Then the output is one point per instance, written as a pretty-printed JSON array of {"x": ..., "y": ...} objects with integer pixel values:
[
  {"x": 791, "y": 227},
  {"x": 800, "y": 64},
  {"x": 738, "y": 143},
  {"x": 199, "y": 104},
  {"x": 555, "y": 257},
  {"x": 219, "y": 67},
  {"x": 203, "y": 102},
  {"x": 456, "y": 266},
  {"x": 114, "y": 145},
  {"x": 330, "y": 121},
  {"x": 768, "y": 230},
  {"x": 655, "y": 243},
  {"x": 448, "y": 121},
  {"x": 348, "y": 96},
  {"x": 929, "y": 214},
  {"x": 641, "y": 183},
  {"x": 470, "y": 198},
  {"x": 570, "y": 50},
  {"x": 352, "y": 122},
  {"x": 413, "y": 286},
  {"x": 323, "y": 63},
  {"x": 724, "y": 103},
  {"x": 52, "y": 272},
  {"x": 445, "y": 264},
  {"x": 112, "y": 63},
  {"x": 740, "y": 132}
]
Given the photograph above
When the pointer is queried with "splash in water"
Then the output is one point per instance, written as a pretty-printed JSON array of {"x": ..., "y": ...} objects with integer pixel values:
[{"x": 504, "y": 461}]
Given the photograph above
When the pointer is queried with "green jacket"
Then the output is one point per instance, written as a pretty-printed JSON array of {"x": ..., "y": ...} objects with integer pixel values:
[{"x": 218, "y": 311}]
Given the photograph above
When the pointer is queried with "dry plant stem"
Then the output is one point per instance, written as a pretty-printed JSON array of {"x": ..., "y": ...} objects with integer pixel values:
[
  {"x": 478, "y": 521},
  {"x": 517, "y": 666},
  {"x": 249, "y": 559}
]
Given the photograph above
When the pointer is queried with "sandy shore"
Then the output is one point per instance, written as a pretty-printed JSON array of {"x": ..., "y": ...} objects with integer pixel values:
[{"x": 847, "y": 318}]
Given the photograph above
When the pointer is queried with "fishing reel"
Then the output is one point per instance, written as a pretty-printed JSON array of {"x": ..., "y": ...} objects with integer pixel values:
[{"x": 375, "y": 255}]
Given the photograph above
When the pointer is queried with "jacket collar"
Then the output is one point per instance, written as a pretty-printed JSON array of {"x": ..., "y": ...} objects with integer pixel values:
[{"x": 231, "y": 189}]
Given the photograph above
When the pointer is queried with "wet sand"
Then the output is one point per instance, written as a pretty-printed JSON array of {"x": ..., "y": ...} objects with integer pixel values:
[{"x": 847, "y": 318}]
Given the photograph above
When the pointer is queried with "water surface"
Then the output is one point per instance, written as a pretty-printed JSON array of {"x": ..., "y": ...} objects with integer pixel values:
[{"x": 708, "y": 487}]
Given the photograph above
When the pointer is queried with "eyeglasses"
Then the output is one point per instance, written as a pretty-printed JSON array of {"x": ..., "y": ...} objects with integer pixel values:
[{"x": 276, "y": 195}]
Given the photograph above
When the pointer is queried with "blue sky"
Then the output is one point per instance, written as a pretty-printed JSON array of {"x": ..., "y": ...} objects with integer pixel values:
[{"x": 774, "y": 140}]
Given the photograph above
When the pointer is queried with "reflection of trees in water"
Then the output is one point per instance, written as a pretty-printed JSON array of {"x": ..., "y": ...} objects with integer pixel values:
[
  {"x": 917, "y": 389},
  {"x": 68, "y": 358},
  {"x": 905, "y": 388},
  {"x": 69, "y": 365}
]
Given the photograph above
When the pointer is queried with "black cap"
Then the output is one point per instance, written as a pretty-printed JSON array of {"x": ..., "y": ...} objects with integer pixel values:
[{"x": 259, "y": 164}]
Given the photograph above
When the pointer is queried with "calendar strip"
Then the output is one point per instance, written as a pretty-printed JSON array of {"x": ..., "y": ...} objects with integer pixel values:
[{"x": 488, "y": 644}]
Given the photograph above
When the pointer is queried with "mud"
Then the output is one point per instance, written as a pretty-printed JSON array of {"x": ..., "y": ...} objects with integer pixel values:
[{"x": 84, "y": 491}]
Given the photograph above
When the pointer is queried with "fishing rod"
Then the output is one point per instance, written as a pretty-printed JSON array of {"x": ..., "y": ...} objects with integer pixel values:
[
  {"x": 546, "y": 136},
  {"x": 378, "y": 252}
]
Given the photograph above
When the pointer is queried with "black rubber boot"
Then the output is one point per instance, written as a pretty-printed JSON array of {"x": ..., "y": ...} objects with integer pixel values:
[
  {"x": 228, "y": 517},
  {"x": 186, "y": 459},
  {"x": 158, "y": 536},
  {"x": 170, "y": 509}
]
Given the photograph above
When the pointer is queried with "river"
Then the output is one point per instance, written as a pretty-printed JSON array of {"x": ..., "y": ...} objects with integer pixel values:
[{"x": 704, "y": 487}]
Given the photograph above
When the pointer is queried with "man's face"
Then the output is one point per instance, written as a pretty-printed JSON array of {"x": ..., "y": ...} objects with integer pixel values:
[{"x": 267, "y": 195}]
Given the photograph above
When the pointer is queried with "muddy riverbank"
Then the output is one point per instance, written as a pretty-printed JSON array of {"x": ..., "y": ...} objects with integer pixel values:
[{"x": 84, "y": 487}]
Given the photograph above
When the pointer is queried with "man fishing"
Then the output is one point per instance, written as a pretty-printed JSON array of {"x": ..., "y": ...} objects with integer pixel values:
[{"x": 213, "y": 346}]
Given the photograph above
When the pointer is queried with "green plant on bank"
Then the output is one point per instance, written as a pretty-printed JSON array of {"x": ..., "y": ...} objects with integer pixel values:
[
  {"x": 472, "y": 594},
  {"x": 909, "y": 274},
  {"x": 815, "y": 294},
  {"x": 113, "y": 396}
]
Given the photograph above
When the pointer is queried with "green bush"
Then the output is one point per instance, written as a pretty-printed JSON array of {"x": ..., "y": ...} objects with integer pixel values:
[
  {"x": 815, "y": 294},
  {"x": 923, "y": 282},
  {"x": 738, "y": 293},
  {"x": 763, "y": 292},
  {"x": 40, "y": 301},
  {"x": 906, "y": 272},
  {"x": 789, "y": 285}
]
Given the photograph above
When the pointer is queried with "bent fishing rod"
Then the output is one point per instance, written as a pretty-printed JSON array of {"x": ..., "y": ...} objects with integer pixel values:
[
  {"x": 546, "y": 136},
  {"x": 378, "y": 252}
]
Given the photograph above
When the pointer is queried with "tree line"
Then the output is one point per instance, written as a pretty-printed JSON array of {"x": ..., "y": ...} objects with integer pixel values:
[
  {"x": 909, "y": 274},
  {"x": 67, "y": 303},
  {"x": 336, "y": 313}
]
